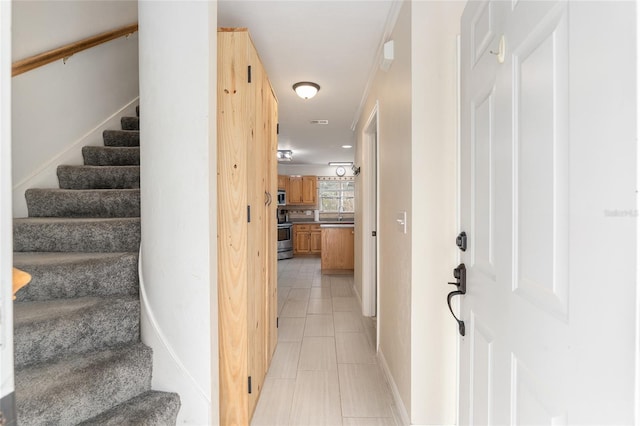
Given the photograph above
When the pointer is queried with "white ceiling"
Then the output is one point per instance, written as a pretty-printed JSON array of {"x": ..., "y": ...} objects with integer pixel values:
[{"x": 332, "y": 43}]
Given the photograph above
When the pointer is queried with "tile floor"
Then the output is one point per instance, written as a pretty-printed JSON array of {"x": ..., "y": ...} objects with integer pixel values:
[{"x": 324, "y": 370}]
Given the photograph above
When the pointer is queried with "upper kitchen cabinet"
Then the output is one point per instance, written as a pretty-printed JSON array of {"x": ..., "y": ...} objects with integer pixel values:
[
  {"x": 302, "y": 190},
  {"x": 283, "y": 183},
  {"x": 247, "y": 258}
]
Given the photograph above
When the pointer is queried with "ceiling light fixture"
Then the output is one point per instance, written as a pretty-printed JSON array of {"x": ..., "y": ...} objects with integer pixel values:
[
  {"x": 347, "y": 146},
  {"x": 341, "y": 163},
  {"x": 284, "y": 155},
  {"x": 306, "y": 89}
]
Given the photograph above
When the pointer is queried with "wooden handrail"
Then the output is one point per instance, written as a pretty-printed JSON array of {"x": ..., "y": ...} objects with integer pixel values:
[{"x": 63, "y": 52}]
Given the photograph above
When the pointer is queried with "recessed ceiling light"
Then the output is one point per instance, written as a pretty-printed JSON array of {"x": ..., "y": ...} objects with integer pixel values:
[{"x": 347, "y": 146}]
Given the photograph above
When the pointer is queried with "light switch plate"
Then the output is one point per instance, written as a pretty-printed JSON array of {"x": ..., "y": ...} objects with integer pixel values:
[{"x": 402, "y": 221}]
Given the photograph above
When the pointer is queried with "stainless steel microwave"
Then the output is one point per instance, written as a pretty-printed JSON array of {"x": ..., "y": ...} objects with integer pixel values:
[{"x": 282, "y": 198}]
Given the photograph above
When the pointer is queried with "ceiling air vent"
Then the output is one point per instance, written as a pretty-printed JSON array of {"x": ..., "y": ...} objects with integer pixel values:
[{"x": 319, "y": 121}]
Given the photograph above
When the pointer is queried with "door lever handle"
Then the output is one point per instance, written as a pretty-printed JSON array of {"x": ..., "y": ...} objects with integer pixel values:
[{"x": 460, "y": 274}]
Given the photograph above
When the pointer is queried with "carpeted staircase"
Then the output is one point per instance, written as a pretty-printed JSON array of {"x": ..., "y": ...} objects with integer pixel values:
[{"x": 78, "y": 355}]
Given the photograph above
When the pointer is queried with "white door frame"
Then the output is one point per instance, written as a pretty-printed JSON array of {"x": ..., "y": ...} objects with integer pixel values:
[{"x": 370, "y": 269}]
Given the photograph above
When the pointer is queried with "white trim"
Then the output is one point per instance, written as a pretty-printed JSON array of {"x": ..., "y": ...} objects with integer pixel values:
[
  {"x": 46, "y": 174},
  {"x": 458, "y": 203},
  {"x": 397, "y": 400},
  {"x": 148, "y": 312},
  {"x": 637, "y": 357},
  {"x": 392, "y": 17},
  {"x": 369, "y": 243}
]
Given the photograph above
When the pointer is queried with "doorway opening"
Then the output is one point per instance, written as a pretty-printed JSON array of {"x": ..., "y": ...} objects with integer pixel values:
[{"x": 370, "y": 282}]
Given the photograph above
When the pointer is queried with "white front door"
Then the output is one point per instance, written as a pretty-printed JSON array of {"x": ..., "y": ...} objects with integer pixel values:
[{"x": 548, "y": 194}]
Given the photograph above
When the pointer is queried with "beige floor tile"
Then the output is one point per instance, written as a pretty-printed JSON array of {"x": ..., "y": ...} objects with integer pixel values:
[
  {"x": 274, "y": 405},
  {"x": 320, "y": 293},
  {"x": 294, "y": 308},
  {"x": 368, "y": 421},
  {"x": 320, "y": 306},
  {"x": 302, "y": 283},
  {"x": 316, "y": 400},
  {"x": 354, "y": 348},
  {"x": 317, "y": 353},
  {"x": 290, "y": 329},
  {"x": 363, "y": 391},
  {"x": 284, "y": 364},
  {"x": 348, "y": 322},
  {"x": 319, "y": 325},
  {"x": 341, "y": 304},
  {"x": 301, "y": 294},
  {"x": 341, "y": 290}
]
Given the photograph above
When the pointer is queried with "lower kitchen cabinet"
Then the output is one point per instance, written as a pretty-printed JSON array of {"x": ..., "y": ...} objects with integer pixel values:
[
  {"x": 338, "y": 253},
  {"x": 307, "y": 239}
]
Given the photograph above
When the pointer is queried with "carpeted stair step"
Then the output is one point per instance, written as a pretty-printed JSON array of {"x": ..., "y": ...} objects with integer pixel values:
[
  {"x": 130, "y": 123},
  {"x": 99, "y": 177},
  {"x": 83, "y": 202},
  {"x": 76, "y": 235},
  {"x": 111, "y": 156},
  {"x": 121, "y": 137},
  {"x": 70, "y": 275},
  {"x": 45, "y": 331},
  {"x": 151, "y": 408},
  {"x": 75, "y": 388}
]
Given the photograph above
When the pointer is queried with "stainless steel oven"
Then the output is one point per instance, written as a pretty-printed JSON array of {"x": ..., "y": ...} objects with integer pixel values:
[{"x": 285, "y": 241}]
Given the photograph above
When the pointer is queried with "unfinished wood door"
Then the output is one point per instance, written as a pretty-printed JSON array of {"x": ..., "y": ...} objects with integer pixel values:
[{"x": 247, "y": 184}]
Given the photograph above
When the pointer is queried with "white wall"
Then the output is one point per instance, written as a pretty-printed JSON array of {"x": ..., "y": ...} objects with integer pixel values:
[
  {"x": 52, "y": 121},
  {"x": 392, "y": 89},
  {"x": 6, "y": 242},
  {"x": 434, "y": 28},
  {"x": 417, "y": 174},
  {"x": 178, "y": 73}
]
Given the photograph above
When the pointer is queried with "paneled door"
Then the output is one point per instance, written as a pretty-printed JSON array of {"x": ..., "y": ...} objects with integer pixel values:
[{"x": 548, "y": 152}]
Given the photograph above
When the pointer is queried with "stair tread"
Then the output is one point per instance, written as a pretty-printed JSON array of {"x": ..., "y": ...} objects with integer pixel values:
[
  {"x": 108, "y": 202},
  {"x": 75, "y": 388},
  {"x": 121, "y": 138},
  {"x": 111, "y": 155},
  {"x": 98, "y": 177},
  {"x": 61, "y": 234},
  {"x": 147, "y": 409},
  {"x": 47, "y": 330},
  {"x": 27, "y": 258}
]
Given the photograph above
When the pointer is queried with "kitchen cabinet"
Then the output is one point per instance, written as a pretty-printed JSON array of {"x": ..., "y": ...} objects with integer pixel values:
[
  {"x": 307, "y": 239},
  {"x": 283, "y": 182},
  {"x": 337, "y": 244},
  {"x": 247, "y": 249},
  {"x": 302, "y": 190}
]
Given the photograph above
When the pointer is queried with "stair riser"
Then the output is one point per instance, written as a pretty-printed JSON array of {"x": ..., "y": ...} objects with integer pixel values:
[
  {"x": 121, "y": 138},
  {"x": 94, "y": 327},
  {"x": 96, "y": 177},
  {"x": 83, "y": 203},
  {"x": 74, "y": 394},
  {"x": 80, "y": 236},
  {"x": 130, "y": 123},
  {"x": 111, "y": 156},
  {"x": 104, "y": 276}
]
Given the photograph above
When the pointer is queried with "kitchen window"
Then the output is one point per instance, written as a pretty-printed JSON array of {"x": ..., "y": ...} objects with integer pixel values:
[{"x": 336, "y": 195}]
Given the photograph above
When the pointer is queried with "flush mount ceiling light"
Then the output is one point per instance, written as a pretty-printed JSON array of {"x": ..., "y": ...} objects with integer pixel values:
[
  {"x": 341, "y": 163},
  {"x": 284, "y": 155},
  {"x": 306, "y": 89},
  {"x": 347, "y": 146}
]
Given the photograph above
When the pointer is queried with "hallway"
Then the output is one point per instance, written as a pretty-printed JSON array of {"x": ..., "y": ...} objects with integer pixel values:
[{"x": 324, "y": 370}]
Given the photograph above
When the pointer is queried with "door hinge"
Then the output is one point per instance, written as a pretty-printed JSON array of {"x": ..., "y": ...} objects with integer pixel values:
[
  {"x": 249, "y": 73},
  {"x": 374, "y": 233},
  {"x": 249, "y": 214},
  {"x": 249, "y": 382},
  {"x": 277, "y": 322},
  {"x": 278, "y": 129}
]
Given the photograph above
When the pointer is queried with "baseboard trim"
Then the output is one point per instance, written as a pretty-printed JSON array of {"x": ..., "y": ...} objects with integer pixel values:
[{"x": 401, "y": 409}]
